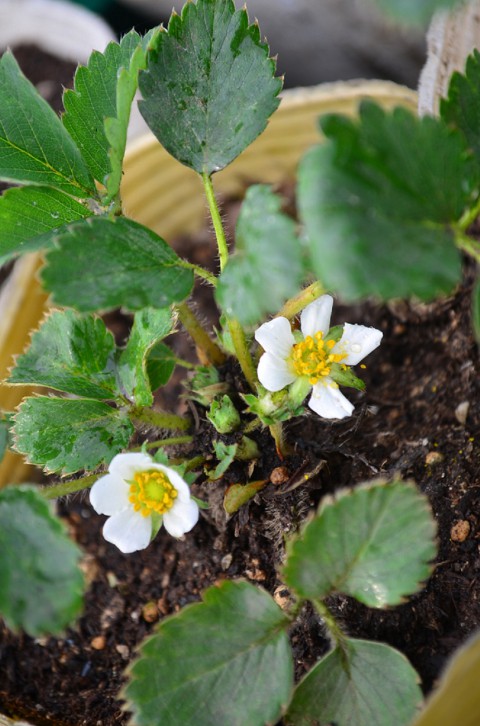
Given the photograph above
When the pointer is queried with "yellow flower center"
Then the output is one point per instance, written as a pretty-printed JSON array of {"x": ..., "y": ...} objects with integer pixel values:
[
  {"x": 151, "y": 491},
  {"x": 313, "y": 357}
]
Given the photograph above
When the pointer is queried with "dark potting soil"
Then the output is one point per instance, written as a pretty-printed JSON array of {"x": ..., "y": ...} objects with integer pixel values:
[{"x": 419, "y": 419}]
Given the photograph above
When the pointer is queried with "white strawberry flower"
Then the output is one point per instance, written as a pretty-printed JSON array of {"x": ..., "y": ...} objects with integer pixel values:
[
  {"x": 136, "y": 495},
  {"x": 313, "y": 357}
]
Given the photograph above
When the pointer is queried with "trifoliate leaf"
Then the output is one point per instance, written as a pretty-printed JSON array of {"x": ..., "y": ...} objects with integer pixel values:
[
  {"x": 40, "y": 583},
  {"x": 34, "y": 145},
  {"x": 462, "y": 105},
  {"x": 160, "y": 365},
  {"x": 413, "y": 11},
  {"x": 29, "y": 215},
  {"x": 379, "y": 201},
  {"x": 71, "y": 353},
  {"x": 195, "y": 673},
  {"x": 362, "y": 684},
  {"x": 149, "y": 327},
  {"x": 373, "y": 543},
  {"x": 67, "y": 435},
  {"x": 101, "y": 264},
  {"x": 209, "y": 87},
  {"x": 266, "y": 268}
]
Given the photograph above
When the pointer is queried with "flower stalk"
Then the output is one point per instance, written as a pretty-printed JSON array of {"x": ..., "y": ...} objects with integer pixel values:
[
  {"x": 160, "y": 419},
  {"x": 199, "y": 335},
  {"x": 296, "y": 304}
]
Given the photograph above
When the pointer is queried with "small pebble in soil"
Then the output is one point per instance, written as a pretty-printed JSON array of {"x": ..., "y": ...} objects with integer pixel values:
[
  {"x": 99, "y": 642},
  {"x": 150, "y": 612},
  {"x": 460, "y": 530},
  {"x": 226, "y": 561},
  {"x": 433, "y": 458},
  {"x": 279, "y": 475},
  {"x": 282, "y": 597},
  {"x": 123, "y": 651},
  {"x": 461, "y": 412}
]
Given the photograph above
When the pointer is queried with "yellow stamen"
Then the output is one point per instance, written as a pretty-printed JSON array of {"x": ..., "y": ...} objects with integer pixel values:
[
  {"x": 151, "y": 491},
  {"x": 312, "y": 357}
]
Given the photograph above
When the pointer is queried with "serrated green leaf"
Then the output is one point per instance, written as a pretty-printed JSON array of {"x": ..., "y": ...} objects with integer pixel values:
[
  {"x": 210, "y": 86},
  {"x": 67, "y": 435},
  {"x": 379, "y": 201},
  {"x": 225, "y": 454},
  {"x": 373, "y": 543},
  {"x": 4, "y": 436},
  {"x": 195, "y": 673},
  {"x": 149, "y": 327},
  {"x": 101, "y": 264},
  {"x": 415, "y": 11},
  {"x": 266, "y": 268},
  {"x": 71, "y": 353},
  {"x": 34, "y": 145},
  {"x": 29, "y": 215},
  {"x": 40, "y": 583},
  {"x": 462, "y": 105},
  {"x": 370, "y": 684},
  {"x": 160, "y": 365},
  {"x": 97, "y": 109}
]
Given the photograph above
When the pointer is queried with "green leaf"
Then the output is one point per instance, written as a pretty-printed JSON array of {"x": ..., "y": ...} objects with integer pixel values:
[
  {"x": 415, "y": 11},
  {"x": 210, "y": 86},
  {"x": 41, "y": 585},
  {"x": 367, "y": 684},
  {"x": 225, "y": 454},
  {"x": 373, "y": 543},
  {"x": 34, "y": 146},
  {"x": 68, "y": 435},
  {"x": 195, "y": 673},
  {"x": 462, "y": 105},
  {"x": 266, "y": 268},
  {"x": 379, "y": 201},
  {"x": 239, "y": 494},
  {"x": 4, "y": 436},
  {"x": 149, "y": 327},
  {"x": 71, "y": 353},
  {"x": 160, "y": 365},
  {"x": 97, "y": 109},
  {"x": 101, "y": 264},
  {"x": 29, "y": 215}
]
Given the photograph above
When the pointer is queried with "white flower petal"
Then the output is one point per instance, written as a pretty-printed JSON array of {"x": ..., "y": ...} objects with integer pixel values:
[
  {"x": 274, "y": 373},
  {"x": 316, "y": 316},
  {"x": 328, "y": 401},
  {"x": 276, "y": 337},
  {"x": 357, "y": 342},
  {"x": 181, "y": 517},
  {"x": 109, "y": 495},
  {"x": 128, "y": 530},
  {"x": 126, "y": 465}
]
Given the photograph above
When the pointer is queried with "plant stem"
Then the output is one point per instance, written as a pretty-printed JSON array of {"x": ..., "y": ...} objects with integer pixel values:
[
  {"x": 53, "y": 491},
  {"x": 242, "y": 352},
  {"x": 217, "y": 220},
  {"x": 469, "y": 217},
  {"x": 200, "y": 272},
  {"x": 175, "y": 440},
  {"x": 341, "y": 640},
  {"x": 293, "y": 306},
  {"x": 160, "y": 419},
  {"x": 468, "y": 245},
  {"x": 199, "y": 335},
  {"x": 280, "y": 444}
]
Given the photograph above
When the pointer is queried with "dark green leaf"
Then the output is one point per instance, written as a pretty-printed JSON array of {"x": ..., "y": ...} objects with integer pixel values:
[
  {"x": 40, "y": 583},
  {"x": 462, "y": 106},
  {"x": 210, "y": 85},
  {"x": 373, "y": 543},
  {"x": 28, "y": 216},
  {"x": 34, "y": 146},
  {"x": 160, "y": 365},
  {"x": 68, "y": 435},
  {"x": 266, "y": 268},
  {"x": 415, "y": 11},
  {"x": 379, "y": 200},
  {"x": 367, "y": 684},
  {"x": 101, "y": 264},
  {"x": 149, "y": 327},
  {"x": 71, "y": 353},
  {"x": 194, "y": 673}
]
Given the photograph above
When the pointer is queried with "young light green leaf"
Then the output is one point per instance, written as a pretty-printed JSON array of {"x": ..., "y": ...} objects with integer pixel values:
[
  {"x": 368, "y": 684},
  {"x": 149, "y": 327},
  {"x": 225, "y": 454},
  {"x": 462, "y": 105},
  {"x": 40, "y": 583},
  {"x": 71, "y": 353},
  {"x": 34, "y": 145},
  {"x": 160, "y": 365},
  {"x": 413, "y": 11},
  {"x": 29, "y": 215},
  {"x": 379, "y": 201},
  {"x": 97, "y": 109},
  {"x": 101, "y": 264},
  {"x": 373, "y": 543},
  {"x": 67, "y": 435},
  {"x": 210, "y": 85},
  {"x": 195, "y": 673},
  {"x": 266, "y": 268}
]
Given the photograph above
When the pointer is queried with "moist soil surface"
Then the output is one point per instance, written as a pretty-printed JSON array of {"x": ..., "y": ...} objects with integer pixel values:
[{"x": 418, "y": 420}]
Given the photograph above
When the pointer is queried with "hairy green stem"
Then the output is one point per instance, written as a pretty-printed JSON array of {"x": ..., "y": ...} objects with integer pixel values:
[
  {"x": 200, "y": 272},
  {"x": 293, "y": 306},
  {"x": 52, "y": 491},
  {"x": 242, "y": 352},
  {"x": 278, "y": 436},
  {"x": 334, "y": 630},
  {"x": 160, "y": 419},
  {"x": 199, "y": 335},
  {"x": 216, "y": 220},
  {"x": 468, "y": 217},
  {"x": 173, "y": 441}
]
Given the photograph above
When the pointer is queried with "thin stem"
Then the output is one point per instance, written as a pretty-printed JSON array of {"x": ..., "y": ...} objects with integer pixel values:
[
  {"x": 160, "y": 419},
  {"x": 469, "y": 217},
  {"x": 293, "y": 306},
  {"x": 242, "y": 352},
  {"x": 173, "y": 441},
  {"x": 199, "y": 335},
  {"x": 194, "y": 463},
  {"x": 216, "y": 219},
  {"x": 200, "y": 272},
  {"x": 341, "y": 640},
  {"x": 468, "y": 245},
  {"x": 280, "y": 444},
  {"x": 53, "y": 491}
]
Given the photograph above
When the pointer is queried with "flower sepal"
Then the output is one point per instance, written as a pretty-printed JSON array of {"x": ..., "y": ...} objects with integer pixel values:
[
  {"x": 344, "y": 376},
  {"x": 223, "y": 415},
  {"x": 157, "y": 521},
  {"x": 272, "y": 408}
]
